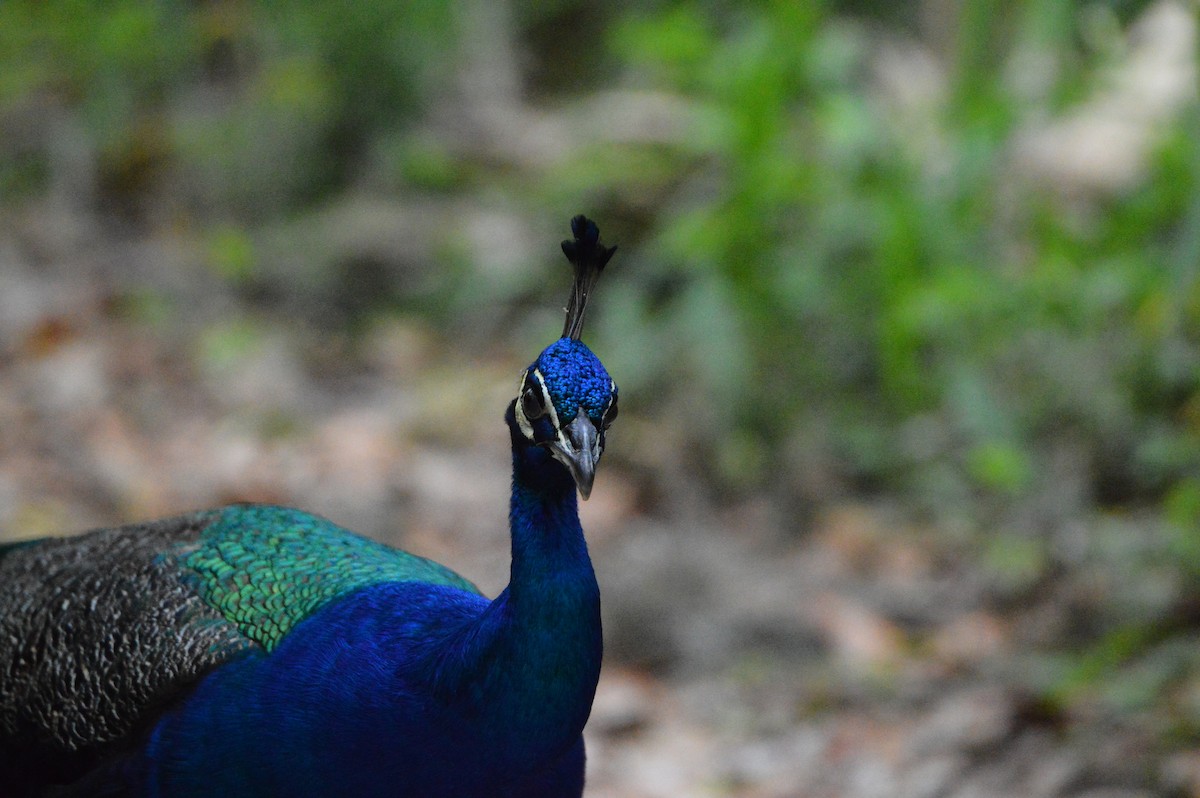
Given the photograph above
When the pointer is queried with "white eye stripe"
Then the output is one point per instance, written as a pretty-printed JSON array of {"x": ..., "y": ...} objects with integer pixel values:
[
  {"x": 522, "y": 422},
  {"x": 541, "y": 383}
]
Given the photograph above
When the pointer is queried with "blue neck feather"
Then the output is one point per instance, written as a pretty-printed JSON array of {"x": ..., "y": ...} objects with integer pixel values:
[
  {"x": 547, "y": 540},
  {"x": 530, "y": 663},
  {"x": 541, "y": 637}
]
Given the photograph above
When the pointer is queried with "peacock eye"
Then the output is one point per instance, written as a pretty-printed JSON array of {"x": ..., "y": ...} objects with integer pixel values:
[
  {"x": 610, "y": 415},
  {"x": 533, "y": 404}
]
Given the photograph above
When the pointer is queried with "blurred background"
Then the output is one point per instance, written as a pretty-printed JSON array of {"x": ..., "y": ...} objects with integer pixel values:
[{"x": 904, "y": 499}]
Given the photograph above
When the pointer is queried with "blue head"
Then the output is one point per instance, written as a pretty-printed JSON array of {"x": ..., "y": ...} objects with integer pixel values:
[
  {"x": 567, "y": 403},
  {"x": 567, "y": 400}
]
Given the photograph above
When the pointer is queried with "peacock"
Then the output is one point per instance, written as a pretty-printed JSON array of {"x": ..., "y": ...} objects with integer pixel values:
[{"x": 257, "y": 650}]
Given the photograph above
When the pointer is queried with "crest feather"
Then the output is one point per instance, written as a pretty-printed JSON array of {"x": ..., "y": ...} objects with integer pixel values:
[{"x": 588, "y": 256}]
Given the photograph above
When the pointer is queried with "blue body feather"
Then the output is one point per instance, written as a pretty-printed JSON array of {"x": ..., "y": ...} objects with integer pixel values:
[{"x": 410, "y": 688}]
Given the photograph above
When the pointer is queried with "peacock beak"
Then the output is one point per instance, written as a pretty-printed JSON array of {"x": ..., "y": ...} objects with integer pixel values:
[{"x": 579, "y": 452}]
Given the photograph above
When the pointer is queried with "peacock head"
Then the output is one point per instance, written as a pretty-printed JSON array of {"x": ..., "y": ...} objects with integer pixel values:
[{"x": 567, "y": 400}]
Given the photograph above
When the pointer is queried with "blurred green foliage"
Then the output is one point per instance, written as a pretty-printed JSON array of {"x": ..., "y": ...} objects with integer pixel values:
[
  {"x": 257, "y": 108},
  {"x": 823, "y": 291},
  {"x": 845, "y": 277}
]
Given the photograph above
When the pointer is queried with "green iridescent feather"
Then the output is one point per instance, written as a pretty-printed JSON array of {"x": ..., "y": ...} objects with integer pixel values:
[{"x": 268, "y": 568}]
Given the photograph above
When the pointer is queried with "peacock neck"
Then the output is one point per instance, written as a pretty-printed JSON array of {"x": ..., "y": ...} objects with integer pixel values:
[
  {"x": 526, "y": 668},
  {"x": 543, "y": 631},
  {"x": 548, "y": 548},
  {"x": 552, "y": 587}
]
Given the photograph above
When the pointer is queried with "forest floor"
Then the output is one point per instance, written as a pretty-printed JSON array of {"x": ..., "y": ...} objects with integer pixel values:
[{"x": 858, "y": 656}]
